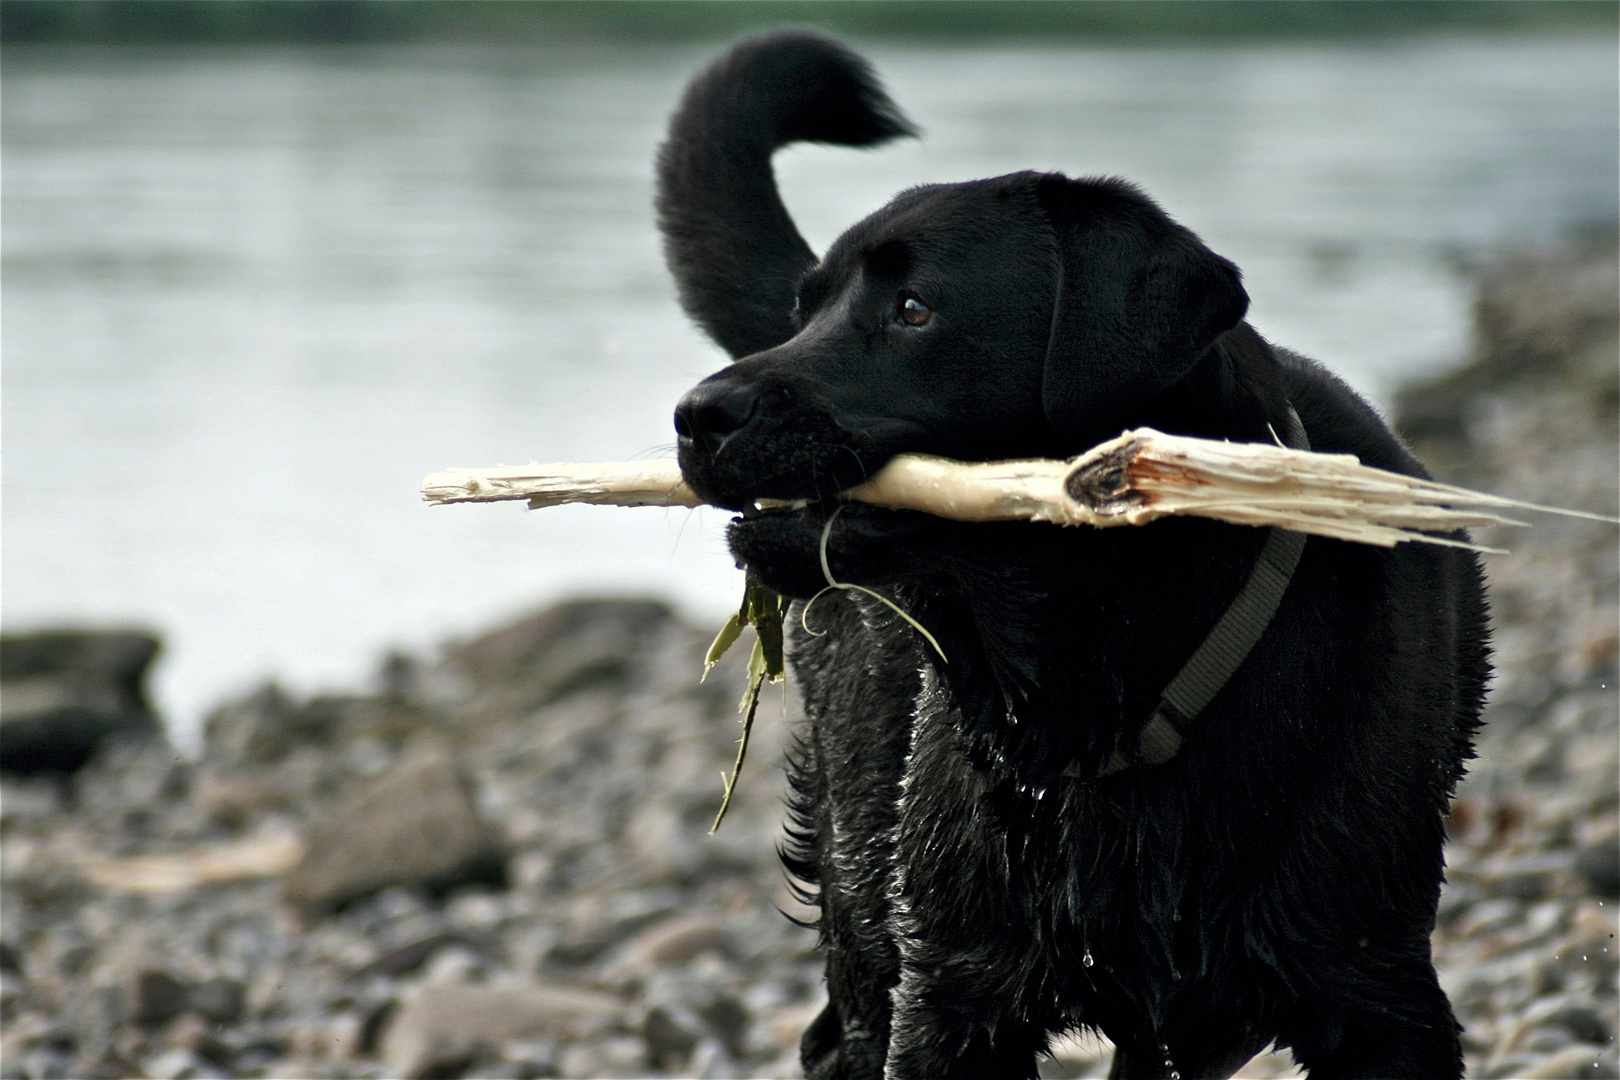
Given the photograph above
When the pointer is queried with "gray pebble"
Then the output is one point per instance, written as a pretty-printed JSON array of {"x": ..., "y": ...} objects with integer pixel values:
[
  {"x": 1599, "y": 864},
  {"x": 1583, "y": 1022}
]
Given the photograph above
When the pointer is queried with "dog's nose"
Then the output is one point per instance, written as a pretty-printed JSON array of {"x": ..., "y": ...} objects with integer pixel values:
[{"x": 712, "y": 410}]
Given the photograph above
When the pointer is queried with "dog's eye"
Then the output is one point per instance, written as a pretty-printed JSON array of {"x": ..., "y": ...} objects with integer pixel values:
[{"x": 913, "y": 312}]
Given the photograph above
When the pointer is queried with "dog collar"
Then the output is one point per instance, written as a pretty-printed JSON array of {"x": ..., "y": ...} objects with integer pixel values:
[{"x": 1222, "y": 652}]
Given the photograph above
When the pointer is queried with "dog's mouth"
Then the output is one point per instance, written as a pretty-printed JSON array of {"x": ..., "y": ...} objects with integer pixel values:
[
  {"x": 777, "y": 470},
  {"x": 758, "y": 508},
  {"x": 756, "y": 447}
]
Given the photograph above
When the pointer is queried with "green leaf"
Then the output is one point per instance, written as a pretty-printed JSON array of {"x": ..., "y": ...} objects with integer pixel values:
[
  {"x": 748, "y": 707},
  {"x": 727, "y": 636},
  {"x": 769, "y": 631},
  {"x": 763, "y": 609}
]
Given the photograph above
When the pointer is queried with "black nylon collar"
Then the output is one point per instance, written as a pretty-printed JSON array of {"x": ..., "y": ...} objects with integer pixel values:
[{"x": 1222, "y": 652}]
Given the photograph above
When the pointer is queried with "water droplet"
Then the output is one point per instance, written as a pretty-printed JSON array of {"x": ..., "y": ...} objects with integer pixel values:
[
  {"x": 1088, "y": 959},
  {"x": 1040, "y": 793},
  {"x": 1176, "y": 917}
]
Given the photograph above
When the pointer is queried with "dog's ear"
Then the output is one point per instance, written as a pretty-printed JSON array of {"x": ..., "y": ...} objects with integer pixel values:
[{"x": 1139, "y": 300}]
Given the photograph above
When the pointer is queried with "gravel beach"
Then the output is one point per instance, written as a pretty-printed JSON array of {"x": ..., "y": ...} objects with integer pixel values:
[{"x": 495, "y": 862}]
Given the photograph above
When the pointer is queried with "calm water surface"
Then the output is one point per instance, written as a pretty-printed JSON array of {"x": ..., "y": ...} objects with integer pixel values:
[{"x": 252, "y": 297}]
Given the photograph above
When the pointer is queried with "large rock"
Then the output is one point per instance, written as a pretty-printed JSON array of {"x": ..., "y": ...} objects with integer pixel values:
[
  {"x": 584, "y": 643},
  {"x": 261, "y": 728},
  {"x": 62, "y": 693},
  {"x": 440, "y": 1024},
  {"x": 266, "y": 726},
  {"x": 414, "y": 825}
]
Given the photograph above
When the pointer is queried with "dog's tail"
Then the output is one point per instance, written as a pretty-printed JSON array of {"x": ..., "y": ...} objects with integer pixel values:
[{"x": 735, "y": 253}]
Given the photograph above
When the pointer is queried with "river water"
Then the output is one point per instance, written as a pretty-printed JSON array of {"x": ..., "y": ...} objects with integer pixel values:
[{"x": 251, "y": 297}]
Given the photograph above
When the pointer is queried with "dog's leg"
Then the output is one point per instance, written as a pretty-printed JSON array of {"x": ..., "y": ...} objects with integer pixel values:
[
  {"x": 1214, "y": 1056},
  {"x": 1008, "y": 1055},
  {"x": 1362, "y": 998},
  {"x": 845, "y": 793},
  {"x": 952, "y": 1016},
  {"x": 1409, "y": 1031},
  {"x": 947, "y": 1024},
  {"x": 1129, "y": 1066},
  {"x": 960, "y": 1006},
  {"x": 849, "y": 1039}
]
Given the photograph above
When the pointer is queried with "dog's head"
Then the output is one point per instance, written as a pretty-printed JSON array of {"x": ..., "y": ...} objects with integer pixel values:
[{"x": 1027, "y": 315}]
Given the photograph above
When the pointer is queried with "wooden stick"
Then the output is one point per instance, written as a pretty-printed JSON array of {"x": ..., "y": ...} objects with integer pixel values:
[
  {"x": 618, "y": 483},
  {"x": 1139, "y": 477},
  {"x": 255, "y": 857}
]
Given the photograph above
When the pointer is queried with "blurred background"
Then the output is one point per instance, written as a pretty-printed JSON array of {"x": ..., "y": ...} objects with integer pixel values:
[
  {"x": 267, "y": 264},
  {"x": 427, "y": 793}
]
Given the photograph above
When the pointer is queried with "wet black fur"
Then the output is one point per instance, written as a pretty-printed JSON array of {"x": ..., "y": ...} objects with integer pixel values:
[{"x": 1277, "y": 880}]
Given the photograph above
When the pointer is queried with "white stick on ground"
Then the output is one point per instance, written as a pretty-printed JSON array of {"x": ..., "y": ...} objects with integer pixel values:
[
  {"x": 1136, "y": 478},
  {"x": 268, "y": 855}
]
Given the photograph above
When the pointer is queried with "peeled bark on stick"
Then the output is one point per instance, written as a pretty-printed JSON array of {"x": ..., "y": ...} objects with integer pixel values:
[{"x": 1136, "y": 478}]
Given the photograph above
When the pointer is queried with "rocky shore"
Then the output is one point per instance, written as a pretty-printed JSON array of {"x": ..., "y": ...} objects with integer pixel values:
[
  {"x": 496, "y": 863},
  {"x": 1526, "y": 937}
]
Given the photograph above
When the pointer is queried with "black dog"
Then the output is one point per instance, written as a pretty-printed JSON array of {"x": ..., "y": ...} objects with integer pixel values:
[{"x": 1004, "y": 845}]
